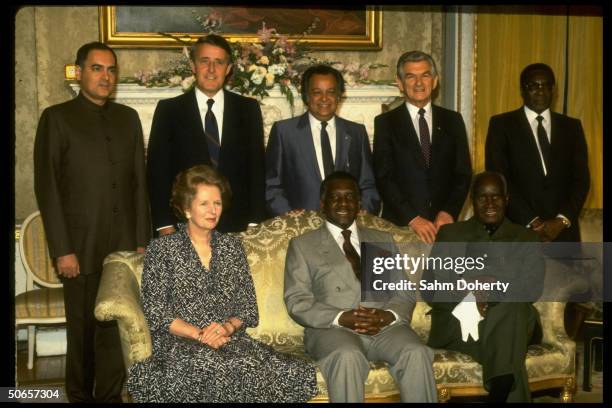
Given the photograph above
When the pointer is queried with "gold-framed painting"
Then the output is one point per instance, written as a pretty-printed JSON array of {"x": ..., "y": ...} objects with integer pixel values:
[{"x": 355, "y": 28}]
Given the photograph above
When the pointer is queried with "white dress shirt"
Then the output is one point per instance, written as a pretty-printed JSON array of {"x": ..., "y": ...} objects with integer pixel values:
[
  {"x": 217, "y": 108},
  {"x": 414, "y": 115},
  {"x": 315, "y": 130},
  {"x": 336, "y": 233}
]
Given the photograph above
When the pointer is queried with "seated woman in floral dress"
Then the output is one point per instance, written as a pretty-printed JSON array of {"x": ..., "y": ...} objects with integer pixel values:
[{"x": 198, "y": 298}]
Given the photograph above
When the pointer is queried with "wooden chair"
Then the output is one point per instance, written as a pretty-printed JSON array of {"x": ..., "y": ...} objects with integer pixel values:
[{"x": 43, "y": 304}]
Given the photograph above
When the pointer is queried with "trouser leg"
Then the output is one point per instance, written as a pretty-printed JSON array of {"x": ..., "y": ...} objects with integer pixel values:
[
  {"x": 80, "y": 329},
  {"x": 410, "y": 362},
  {"x": 340, "y": 355}
]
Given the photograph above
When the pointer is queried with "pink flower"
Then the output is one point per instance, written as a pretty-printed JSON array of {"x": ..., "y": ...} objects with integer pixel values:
[{"x": 265, "y": 34}]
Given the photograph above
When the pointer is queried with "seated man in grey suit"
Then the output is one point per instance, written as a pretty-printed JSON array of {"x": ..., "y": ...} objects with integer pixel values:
[
  {"x": 301, "y": 151},
  {"x": 323, "y": 292}
]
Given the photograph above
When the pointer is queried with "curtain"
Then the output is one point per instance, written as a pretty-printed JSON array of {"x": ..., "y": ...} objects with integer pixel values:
[{"x": 507, "y": 42}]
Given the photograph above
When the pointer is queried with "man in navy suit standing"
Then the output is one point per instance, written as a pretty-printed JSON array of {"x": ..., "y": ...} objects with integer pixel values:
[
  {"x": 421, "y": 155},
  {"x": 302, "y": 151},
  {"x": 208, "y": 125},
  {"x": 543, "y": 156}
]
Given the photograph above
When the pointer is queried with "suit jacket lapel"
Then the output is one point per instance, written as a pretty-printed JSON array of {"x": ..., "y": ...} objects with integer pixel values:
[
  {"x": 335, "y": 258},
  {"x": 343, "y": 142},
  {"x": 407, "y": 130},
  {"x": 230, "y": 137},
  {"x": 194, "y": 119},
  {"x": 437, "y": 134},
  {"x": 555, "y": 140},
  {"x": 306, "y": 146}
]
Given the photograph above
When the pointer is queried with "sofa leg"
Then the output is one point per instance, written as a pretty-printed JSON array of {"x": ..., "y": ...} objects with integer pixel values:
[
  {"x": 443, "y": 394},
  {"x": 569, "y": 389}
]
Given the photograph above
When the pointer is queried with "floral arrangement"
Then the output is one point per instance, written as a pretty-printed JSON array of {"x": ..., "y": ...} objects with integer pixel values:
[{"x": 258, "y": 66}]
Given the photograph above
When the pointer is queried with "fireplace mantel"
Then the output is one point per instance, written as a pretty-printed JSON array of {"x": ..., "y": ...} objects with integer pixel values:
[{"x": 362, "y": 104}]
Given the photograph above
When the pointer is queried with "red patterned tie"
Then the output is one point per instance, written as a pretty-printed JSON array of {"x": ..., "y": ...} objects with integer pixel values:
[
  {"x": 424, "y": 136},
  {"x": 351, "y": 253}
]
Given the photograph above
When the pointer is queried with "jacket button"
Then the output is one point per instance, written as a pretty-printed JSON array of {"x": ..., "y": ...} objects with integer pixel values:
[
  {"x": 114, "y": 185},
  {"x": 337, "y": 288},
  {"x": 115, "y": 209}
]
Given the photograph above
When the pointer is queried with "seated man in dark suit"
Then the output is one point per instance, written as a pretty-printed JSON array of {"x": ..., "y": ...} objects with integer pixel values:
[
  {"x": 493, "y": 326},
  {"x": 543, "y": 156},
  {"x": 302, "y": 151}
]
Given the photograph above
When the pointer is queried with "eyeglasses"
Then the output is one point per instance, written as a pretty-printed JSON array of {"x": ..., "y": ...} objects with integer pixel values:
[{"x": 534, "y": 86}]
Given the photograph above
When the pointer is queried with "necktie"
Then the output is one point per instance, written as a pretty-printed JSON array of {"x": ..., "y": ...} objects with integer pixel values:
[
  {"x": 424, "y": 136},
  {"x": 351, "y": 254},
  {"x": 326, "y": 152},
  {"x": 544, "y": 143},
  {"x": 212, "y": 134}
]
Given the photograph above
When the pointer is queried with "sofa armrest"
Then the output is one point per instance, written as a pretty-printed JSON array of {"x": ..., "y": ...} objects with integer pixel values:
[
  {"x": 553, "y": 329},
  {"x": 119, "y": 299}
]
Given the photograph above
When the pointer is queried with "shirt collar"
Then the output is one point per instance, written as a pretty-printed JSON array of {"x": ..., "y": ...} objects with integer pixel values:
[
  {"x": 336, "y": 231},
  {"x": 202, "y": 98},
  {"x": 532, "y": 115},
  {"x": 316, "y": 123},
  {"x": 414, "y": 110},
  {"x": 90, "y": 105}
]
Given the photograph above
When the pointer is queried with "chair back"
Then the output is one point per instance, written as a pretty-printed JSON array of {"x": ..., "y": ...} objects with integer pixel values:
[{"x": 35, "y": 253}]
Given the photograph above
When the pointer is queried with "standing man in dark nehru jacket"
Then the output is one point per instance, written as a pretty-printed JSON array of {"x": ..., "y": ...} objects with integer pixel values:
[
  {"x": 90, "y": 184},
  {"x": 208, "y": 125},
  {"x": 421, "y": 155},
  {"x": 302, "y": 151},
  {"x": 543, "y": 156}
]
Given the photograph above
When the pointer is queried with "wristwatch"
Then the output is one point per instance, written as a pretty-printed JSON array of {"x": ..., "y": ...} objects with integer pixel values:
[{"x": 565, "y": 222}]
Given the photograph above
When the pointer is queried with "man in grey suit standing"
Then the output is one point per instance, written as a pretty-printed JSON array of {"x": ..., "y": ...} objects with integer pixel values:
[
  {"x": 301, "y": 151},
  {"x": 323, "y": 293}
]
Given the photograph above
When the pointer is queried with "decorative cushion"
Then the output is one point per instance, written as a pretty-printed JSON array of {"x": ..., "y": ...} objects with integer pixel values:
[{"x": 40, "y": 303}]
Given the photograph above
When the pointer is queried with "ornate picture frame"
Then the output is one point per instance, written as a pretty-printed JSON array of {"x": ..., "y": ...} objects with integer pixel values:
[{"x": 354, "y": 29}]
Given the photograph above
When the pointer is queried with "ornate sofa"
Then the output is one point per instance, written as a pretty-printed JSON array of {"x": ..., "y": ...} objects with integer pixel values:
[{"x": 549, "y": 365}]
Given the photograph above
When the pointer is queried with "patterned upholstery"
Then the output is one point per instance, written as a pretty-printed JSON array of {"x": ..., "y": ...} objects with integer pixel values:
[{"x": 266, "y": 245}]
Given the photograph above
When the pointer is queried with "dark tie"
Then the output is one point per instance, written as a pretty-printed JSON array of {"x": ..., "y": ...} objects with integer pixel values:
[
  {"x": 351, "y": 253},
  {"x": 544, "y": 143},
  {"x": 212, "y": 134},
  {"x": 326, "y": 152},
  {"x": 424, "y": 135}
]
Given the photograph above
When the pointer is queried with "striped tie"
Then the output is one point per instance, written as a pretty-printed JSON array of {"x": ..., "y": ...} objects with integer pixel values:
[{"x": 211, "y": 130}]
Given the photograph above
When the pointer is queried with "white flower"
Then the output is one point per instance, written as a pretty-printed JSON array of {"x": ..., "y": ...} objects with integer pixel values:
[
  {"x": 175, "y": 80},
  {"x": 264, "y": 60},
  {"x": 187, "y": 82},
  {"x": 269, "y": 79},
  {"x": 338, "y": 66},
  {"x": 349, "y": 79},
  {"x": 282, "y": 59},
  {"x": 257, "y": 78},
  {"x": 277, "y": 69},
  {"x": 262, "y": 71}
]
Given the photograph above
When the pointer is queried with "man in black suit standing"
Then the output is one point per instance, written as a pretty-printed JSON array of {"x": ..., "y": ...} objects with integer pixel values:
[
  {"x": 543, "y": 156},
  {"x": 421, "y": 155},
  {"x": 208, "y": 125}
]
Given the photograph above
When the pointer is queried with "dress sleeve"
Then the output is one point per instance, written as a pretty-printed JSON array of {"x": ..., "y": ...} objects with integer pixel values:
[
  {"x": 245, "y": 304},
  {"x": 156, "y": 287}
]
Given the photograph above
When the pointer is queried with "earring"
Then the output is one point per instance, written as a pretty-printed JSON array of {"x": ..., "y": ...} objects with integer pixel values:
[{"x": 187, "y": 215}]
